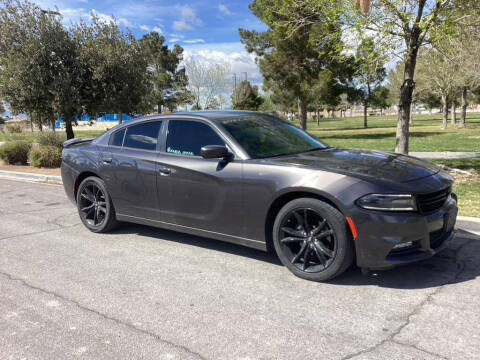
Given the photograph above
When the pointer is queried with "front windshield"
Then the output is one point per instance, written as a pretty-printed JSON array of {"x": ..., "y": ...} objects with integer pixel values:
[{"x": 265, "y": 136}]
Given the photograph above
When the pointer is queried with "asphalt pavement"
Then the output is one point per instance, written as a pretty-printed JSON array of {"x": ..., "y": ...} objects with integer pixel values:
[{"x": 140, "y": 292}]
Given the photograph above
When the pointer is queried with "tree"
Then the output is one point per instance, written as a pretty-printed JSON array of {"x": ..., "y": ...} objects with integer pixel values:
[
  {"x": 398, "y": 25},
  {"x": 380, "y": 98},
  {"x": 2, "y": 111},
  {"x": 293, "y": 59},
  {"x": 439, "y": 75},
  {"x": 169, "y": 81},
  {"x": 206, "y": 81},
  {"x": 408, "y": 25},
  {"x": 120, "y": 79},
  {"x": 26, "y": 78},
  {"x": 245, "y": 97},
  {"x": 370, "y": 74}
]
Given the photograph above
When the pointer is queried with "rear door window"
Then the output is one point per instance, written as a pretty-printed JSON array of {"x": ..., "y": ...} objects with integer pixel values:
[
  {"x": 188, "y": 137},
  {"x": 143, "y": 136}
]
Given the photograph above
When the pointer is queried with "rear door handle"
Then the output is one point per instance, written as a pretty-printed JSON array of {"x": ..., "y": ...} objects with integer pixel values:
[
  {"x": 107, "y": 160},
  {"x": 165, "y": 171}
]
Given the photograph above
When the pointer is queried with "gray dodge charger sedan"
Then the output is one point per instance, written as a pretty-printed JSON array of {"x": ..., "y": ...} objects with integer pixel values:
[{"x": 255, "y": 180}]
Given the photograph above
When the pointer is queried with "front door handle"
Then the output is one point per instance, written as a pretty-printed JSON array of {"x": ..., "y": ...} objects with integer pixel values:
[
  {"x": 107, "y": 160},
  {"x": 165, "y": 171}
]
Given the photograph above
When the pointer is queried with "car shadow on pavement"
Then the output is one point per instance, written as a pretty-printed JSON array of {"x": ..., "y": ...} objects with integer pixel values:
[
  {"x": 458, "y": 263},
  {"x": 206, "y": 243}
]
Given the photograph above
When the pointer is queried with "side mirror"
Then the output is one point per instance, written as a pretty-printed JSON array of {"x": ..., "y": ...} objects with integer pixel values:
[{"x": 216, "y": 152}]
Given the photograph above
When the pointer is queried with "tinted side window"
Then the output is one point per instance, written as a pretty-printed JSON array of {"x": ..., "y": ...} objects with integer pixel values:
[
  {"x": 188, "y": 137},
  {"x": 142, "y": 136},
  {"x": 116, "y": 139}
]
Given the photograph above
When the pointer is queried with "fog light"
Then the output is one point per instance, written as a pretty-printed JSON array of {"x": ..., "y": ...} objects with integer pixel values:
[{"x": 403, "y": 245}]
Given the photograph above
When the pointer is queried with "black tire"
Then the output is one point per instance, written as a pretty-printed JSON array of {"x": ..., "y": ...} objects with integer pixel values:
[
  {"x": 327, "y": 247},
  {"x": 95, "y": 206}
]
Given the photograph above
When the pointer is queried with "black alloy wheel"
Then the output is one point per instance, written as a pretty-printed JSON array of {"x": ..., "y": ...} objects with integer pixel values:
[
  {"x": 308, "y": 240},
  {"x": 311, "y": 239},
  {"x": 95, "y": 206}
]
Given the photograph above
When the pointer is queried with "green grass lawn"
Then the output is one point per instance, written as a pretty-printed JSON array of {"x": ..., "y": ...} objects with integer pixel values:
[
  {"x": 468, "y": 193},
  {"x": 33, "y": 136},
  {"x": 426, "y": 134}
]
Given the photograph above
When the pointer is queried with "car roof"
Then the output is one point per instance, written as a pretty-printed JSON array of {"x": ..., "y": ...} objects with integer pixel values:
[{"x": 207, "y": 115}]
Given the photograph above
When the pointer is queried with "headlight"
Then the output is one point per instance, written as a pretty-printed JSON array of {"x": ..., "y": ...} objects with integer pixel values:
[{"x": 388, "y": 202}]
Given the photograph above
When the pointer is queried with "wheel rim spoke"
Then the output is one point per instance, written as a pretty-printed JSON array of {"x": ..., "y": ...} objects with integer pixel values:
[
  {"x": 306, "y": 227},
  {"x": 299, "y": 219},
  {"x": 88, "y": 207},
  {"x": 295, "y": 233},
  {"x": 320, "y": 256},
  {"x": 319, "y": 227},
  {"x": 324, "y": 249},
  {"x": 292, "y": 240},
  {"x": 87, "y": 194},
  {"x": 324, "y": 234},
  {"x": 300, "y": 253},
  {"x": 305, "y": 258}
]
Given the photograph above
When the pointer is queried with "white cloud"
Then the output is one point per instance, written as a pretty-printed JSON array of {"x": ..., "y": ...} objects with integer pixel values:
[
  {"x": 144, "y": 28},
  {"x": 188, "y": 20},
  {"x": 224, "y": 10},
  {"x": 157, "y": 30},
  {"x": 234, "y": 54},
  {"x": 174, "y": 40},
  {"x": 74, "y": 15},
  {"x": 182, "y": 26},
  {"x": 126, "y": 23},
  {"x": 194, "y": 41}
]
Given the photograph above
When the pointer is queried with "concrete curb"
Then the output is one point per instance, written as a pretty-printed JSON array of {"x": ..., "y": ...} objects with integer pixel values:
[{"x": 21, "y": 176}]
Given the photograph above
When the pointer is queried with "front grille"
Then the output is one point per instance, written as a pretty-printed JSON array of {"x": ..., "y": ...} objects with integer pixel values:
[{"x": 433, "y": 201}]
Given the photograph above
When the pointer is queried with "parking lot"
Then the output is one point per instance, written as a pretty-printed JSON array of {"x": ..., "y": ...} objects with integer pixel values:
[{"x": 147, "y": 293}]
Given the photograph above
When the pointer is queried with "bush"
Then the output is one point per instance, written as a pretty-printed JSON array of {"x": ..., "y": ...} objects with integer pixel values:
[
  {"x": 51, "y": 139},
  {"x": 46, "y": 156},
  {"x": 14, "y": 128},
  {"x": 15, "y": 152}
]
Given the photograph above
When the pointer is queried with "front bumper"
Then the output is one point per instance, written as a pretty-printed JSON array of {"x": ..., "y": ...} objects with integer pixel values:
[{"x": 381, "y": 233}]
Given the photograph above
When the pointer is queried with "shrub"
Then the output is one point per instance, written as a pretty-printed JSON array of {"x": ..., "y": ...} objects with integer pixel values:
[
  {"x": 14, "y": 128},
  {"x": 46, "y": 156},
  {"x": 15, "y": 152},
  {"x": 51, "y": 139}
]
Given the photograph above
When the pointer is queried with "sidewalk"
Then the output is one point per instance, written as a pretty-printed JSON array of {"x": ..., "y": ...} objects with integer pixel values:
[{"x": 445, "y": 155}]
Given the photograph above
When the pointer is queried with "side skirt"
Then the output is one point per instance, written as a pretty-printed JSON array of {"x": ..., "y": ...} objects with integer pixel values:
[{"x": 259, "y": 245}]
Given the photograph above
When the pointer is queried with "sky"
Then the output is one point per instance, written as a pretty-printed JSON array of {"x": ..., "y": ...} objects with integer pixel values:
[{"x": 207, "y": 30}]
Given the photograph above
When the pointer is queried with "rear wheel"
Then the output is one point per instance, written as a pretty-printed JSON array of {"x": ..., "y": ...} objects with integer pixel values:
[
  {"x": 311, "y": 239},
  {"x": 95, "y": 206}
]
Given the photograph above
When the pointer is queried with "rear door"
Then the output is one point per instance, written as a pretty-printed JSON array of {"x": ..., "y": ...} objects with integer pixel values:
[
  {"x": 196, "y": 192},
  {"x": 132, "y": 169}
]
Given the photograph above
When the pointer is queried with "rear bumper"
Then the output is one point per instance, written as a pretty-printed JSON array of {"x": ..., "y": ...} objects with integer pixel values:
[{"x": 392, "y": 239}]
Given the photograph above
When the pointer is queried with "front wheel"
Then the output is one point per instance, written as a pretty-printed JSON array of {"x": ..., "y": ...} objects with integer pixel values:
[
  {"x": 311, "y": 239},
  {"x": 95, "y": 206}
]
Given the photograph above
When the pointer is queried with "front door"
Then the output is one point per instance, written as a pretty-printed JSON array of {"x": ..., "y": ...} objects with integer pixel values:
[{"x": 196, "y": 192}]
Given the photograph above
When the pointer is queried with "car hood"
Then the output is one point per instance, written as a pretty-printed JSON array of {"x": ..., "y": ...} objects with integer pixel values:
[{"x": 369, "y": 165}]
